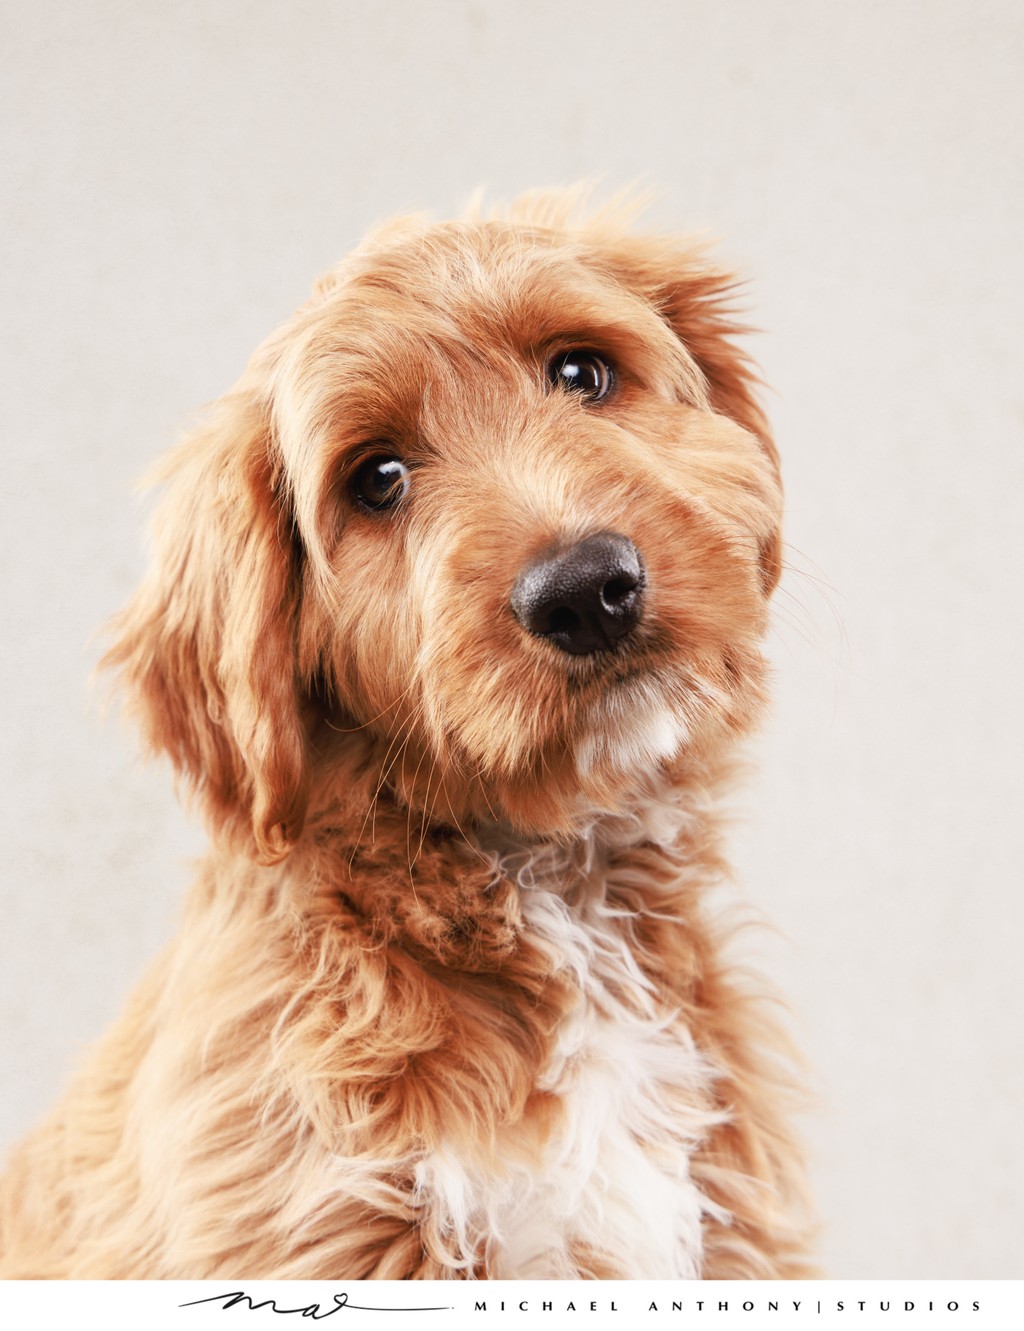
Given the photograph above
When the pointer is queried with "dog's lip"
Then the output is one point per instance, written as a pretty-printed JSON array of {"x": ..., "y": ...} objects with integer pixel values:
[
  {"x": 626, "y": 662},
  {"x": 604, "y": 672},
  {"x": 623, "y": 678}
]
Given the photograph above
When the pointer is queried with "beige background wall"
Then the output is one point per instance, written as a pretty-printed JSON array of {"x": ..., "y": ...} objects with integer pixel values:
[{"x": 176, "y": 177}]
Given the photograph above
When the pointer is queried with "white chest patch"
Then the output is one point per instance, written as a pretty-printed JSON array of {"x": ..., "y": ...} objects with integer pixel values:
[{"x": 612, "y": 1176}]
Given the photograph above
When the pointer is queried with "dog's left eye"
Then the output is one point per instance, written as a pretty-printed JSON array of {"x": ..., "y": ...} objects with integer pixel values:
[
  {"x": 582, "y": 372},
  {"x": 380, "y": 482}
]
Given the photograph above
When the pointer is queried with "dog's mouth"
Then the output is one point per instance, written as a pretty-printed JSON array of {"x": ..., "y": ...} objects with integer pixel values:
[
  {"x": 593, "y": 671},
  {"x": 547, "y": 740}
]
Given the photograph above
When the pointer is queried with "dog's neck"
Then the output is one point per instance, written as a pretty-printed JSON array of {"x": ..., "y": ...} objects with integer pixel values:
[
  {"x": 667, "y": 815},
  {"x": 662, "y": 815}
]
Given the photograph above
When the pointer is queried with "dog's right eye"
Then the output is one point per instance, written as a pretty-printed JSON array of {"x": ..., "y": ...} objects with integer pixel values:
[{"x": 380, "y": 482}]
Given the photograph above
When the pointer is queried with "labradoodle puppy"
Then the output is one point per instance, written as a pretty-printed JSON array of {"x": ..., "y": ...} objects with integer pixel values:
[{"x": 452, "y": 626}]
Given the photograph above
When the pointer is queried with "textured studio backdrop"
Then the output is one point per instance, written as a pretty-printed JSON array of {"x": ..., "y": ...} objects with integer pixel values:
[{"x": 175, "y": 178}]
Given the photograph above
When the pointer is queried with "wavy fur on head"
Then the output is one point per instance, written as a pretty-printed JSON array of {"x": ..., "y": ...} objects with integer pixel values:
[{"x": 448, "y": 1000}]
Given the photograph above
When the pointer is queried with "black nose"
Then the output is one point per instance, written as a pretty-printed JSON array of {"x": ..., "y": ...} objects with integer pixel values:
[{"x": 584, "y": 599}]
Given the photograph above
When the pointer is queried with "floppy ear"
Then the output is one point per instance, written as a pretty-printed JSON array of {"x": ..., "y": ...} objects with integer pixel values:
[
  {"x": 207, "y": 649},
  {"x": 695, "y": 298}
]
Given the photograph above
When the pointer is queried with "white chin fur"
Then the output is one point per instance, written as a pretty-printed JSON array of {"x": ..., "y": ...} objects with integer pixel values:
[{"x": 636, "y": 731}]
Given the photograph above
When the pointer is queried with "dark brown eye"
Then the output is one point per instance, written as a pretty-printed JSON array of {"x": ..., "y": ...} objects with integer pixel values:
[
  {"x": 582, "y": 372},
  {"x": 380, "y": 482}
]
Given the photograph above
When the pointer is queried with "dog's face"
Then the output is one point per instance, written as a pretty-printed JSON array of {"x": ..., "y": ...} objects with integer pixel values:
[{"x": 498, "y": 501}]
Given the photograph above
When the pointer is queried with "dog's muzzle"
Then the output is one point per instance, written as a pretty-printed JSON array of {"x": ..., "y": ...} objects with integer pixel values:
[{"x": 585, "y": 599}]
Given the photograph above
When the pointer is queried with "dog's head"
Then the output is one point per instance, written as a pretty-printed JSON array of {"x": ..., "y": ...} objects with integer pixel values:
[{"x": 499, "y": 503}]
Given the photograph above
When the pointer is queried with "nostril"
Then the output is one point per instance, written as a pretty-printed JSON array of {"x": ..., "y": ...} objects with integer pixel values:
[
  {"x": 563, "y": 620},
  {"x": 616, "y": 590}
]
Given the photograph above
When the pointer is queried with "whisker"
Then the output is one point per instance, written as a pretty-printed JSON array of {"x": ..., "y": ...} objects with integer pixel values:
[
  {"x": 401, "y": 737},
  {"x": 478, "y": 776},
  {"x": 468, "y": 841},
  {"x": 427, "y": 813},
  {"x": 351, "y": 730},
  {"x": 408, "y": 822},
  {"x": 806, "y": 622}
]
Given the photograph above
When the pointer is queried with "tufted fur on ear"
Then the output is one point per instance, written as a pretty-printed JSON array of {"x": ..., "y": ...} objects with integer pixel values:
[
  {"x": 206, "y": 650},
  {"x": 696, "y": 299}
]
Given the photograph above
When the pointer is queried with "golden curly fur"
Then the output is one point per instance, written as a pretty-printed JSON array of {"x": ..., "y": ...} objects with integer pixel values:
[{"x": 448, "y": 999}]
